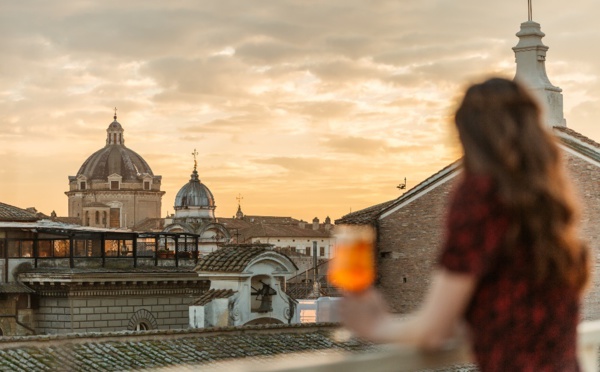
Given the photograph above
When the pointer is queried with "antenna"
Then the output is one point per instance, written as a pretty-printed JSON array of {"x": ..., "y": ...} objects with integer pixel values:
[{"x": 530, "y": 11}]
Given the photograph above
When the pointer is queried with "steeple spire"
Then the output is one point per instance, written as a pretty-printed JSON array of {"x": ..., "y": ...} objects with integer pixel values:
[
  {"x": 194, "y": 175},
  {"x": 239, "y": 214},
  {"x": 530, "y": 56}
]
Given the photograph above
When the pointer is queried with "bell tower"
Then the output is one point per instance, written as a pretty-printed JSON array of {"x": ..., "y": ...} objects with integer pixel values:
[{"x": 530, "y": 56}]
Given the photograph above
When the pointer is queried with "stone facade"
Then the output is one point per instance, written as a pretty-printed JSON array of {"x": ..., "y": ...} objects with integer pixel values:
[
  {"x": 408, "y": 242},
  {"x": 108, "y": 314}
]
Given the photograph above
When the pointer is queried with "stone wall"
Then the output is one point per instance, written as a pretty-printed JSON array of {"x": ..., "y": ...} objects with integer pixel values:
[
  {"x": 410, "y": 239},
  {"x": 108, "y": 314},
  {"x": 586, "y": 179}
]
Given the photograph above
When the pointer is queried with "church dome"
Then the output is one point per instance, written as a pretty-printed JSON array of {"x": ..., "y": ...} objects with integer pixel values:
[
  {"x": 194, "y": 194},
  {"x": 114, "y": 158}
]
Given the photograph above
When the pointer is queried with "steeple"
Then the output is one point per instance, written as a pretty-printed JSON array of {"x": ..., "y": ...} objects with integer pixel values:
[
  {"x": 114, "y": 133},
  {"x": 239, "y": 214},
  {"x": 530, "y": 56}
]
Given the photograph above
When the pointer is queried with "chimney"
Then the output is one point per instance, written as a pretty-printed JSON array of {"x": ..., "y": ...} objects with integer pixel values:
[
  {"x": 315, "y": 223},
  {"x": 327, "y": 223}
]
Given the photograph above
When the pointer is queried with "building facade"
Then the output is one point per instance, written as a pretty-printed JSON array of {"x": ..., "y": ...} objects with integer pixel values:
[{"x": 115, "y": 187}]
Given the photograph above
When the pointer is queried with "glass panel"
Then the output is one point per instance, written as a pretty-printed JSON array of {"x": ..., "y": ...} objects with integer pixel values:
[
  {"x": 80, "y": 248},
  {"x": 45, "y": 248},
  {"x": 126, "y": 248},
  {"x": 2, "y": 249},
  {"x": 61, "y": 248},
  {"x": 13, "y": 248},
  {"x": 27, "y": 248},
  {"x": 96, "y": 248},
  {"x": 111, "y": 247}
]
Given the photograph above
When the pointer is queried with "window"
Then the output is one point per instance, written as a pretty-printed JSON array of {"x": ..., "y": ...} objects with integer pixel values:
[
  {"x": 322, "y": 251},
  {"x": 84, "y": 248},
  {"x": 114, "y": 185},
  {"x": 146, "y": 185},
  {"x": 82, "y": 185},
  {"x": 307, "y": 250},
  {"x": 2, "y": 249},
  {"x": 119, "y": 248},
  {"x": 20, "y": 248},
  {"x": 97, "y": 217},
  {"x": 104, "y": 218},
  {"x": 61, "y": 248},
  {"x": 45, "y": 248}
]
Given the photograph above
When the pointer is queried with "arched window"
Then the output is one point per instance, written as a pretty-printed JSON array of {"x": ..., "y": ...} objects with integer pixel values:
[
  {"x": 104, "y": 218},
  {"x": 87, "y": 218},
  {"x": 114, "y": 138},
  {"x": 142, "y": 320},
  {"x": 97, "y": 217}
]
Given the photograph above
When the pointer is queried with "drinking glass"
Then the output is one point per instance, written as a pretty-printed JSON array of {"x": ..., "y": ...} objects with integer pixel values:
[{"x": 352, "y": 268}]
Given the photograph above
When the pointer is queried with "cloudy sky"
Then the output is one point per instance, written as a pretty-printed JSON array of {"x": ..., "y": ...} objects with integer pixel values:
[{"x": 306, "y": 108}]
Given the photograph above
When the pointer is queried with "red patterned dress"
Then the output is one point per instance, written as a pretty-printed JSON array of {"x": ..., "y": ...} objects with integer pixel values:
[{"x": 516, "y": 325}]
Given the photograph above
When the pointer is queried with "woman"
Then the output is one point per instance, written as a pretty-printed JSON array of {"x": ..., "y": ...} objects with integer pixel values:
[{"x": 512, "y": 265}]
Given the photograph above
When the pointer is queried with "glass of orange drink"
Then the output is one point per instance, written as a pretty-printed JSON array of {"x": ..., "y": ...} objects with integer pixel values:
[{"x": 352, "y": 268}]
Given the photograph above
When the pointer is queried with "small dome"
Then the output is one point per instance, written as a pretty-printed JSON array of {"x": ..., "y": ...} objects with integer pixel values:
[{"x": 194, "y": 194}]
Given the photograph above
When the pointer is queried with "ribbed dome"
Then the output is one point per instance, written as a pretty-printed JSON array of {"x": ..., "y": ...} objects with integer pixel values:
[
  {"x": 194, "y": 194},
  {"x": 114, "y": 158}
]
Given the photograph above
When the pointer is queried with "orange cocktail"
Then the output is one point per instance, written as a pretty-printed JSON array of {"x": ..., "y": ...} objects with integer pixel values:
[{"x": 352, "y": 268}]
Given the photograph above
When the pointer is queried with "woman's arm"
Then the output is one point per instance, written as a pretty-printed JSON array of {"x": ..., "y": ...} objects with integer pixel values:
[{"x": 434, "y": 323}]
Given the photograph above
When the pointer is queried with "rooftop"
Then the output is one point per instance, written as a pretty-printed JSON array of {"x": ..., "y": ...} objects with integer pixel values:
[{"x": 121, "y": 351}]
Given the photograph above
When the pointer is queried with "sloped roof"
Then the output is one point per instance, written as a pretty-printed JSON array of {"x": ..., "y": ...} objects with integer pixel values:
[
  {"x": 11, "y": 213},
  {"x": 150, "y": 224},
  {"x": 371, "y": 214},
  {"x": 15, "y": 288},
  {"x": 578, "y": 142},
  {"x": 68, "y": 220},
  {"x": 568, "y": 137},
  {"x": 197, "y": 349},
  {"x": 213, "y": 294},
  {"x": 278, "y": 230},
  {"x": 232, "y": 258},
  {"x": 364, "y": 216}
]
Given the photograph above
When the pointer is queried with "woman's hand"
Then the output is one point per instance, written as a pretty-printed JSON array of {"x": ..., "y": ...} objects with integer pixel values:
[{"x": 365, "y": 314}]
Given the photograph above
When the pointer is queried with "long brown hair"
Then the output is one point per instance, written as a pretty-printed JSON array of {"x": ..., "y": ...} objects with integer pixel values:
[{"x": 499, "y": 124}]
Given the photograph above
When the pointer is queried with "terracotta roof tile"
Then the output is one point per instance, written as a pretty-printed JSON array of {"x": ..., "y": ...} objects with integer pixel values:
[
  {"x": 15, "y": 288},
  {"x": 232, "y": 258},
  {"x": 196, "y": 349},
  {"x": 150, "y": 224},
  {"x": 577, "y": 135},
  {"x": 11, "y": 213},
  {"x": 213, "y": 294}
]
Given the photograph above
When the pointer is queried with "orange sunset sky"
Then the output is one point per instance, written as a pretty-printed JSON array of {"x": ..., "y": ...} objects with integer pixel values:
[{"x": 305, "y": 108}]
